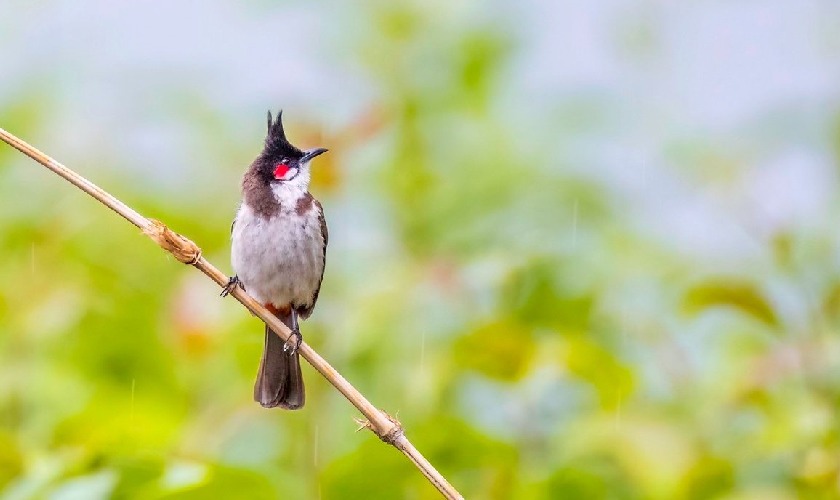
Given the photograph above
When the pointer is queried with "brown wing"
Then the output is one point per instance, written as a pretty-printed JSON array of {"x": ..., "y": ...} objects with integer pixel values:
[{"x": 305, "y": 312}]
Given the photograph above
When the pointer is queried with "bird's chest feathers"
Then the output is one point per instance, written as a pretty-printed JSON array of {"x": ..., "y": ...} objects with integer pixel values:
[{"x": 279, "y": 258}]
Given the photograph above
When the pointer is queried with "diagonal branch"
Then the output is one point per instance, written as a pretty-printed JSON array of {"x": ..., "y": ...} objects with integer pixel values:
[{"x": 388, "y": 429}]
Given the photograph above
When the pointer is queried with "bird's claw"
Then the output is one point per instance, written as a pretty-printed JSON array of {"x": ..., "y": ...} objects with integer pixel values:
[
  {"x": 293, "y": 342},
  {"x": 231, "y": 284}
]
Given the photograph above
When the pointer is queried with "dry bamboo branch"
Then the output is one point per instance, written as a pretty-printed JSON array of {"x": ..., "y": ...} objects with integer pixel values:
[{"x": 388, "y": 429}]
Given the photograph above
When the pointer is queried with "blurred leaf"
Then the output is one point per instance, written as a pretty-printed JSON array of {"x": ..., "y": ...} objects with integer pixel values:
[
  {"x": 536, "y": 297},
  {"x": 138, "y": 475},
  {"x": 479, "y": 465},
  {"x": 831, "y": 302},
  {"x": 710, "y": 477},
  {"x": 501, "y": 350},
  {"x": 783, "y": 250},
  {"x": 482, "y": 54},
  {"x": 740, "y": 295},
  {"x": 590, "y": 478},
  {"x": 612, "y": 379},
  {"x": 384, "y": 475},
  {"x": 228, "y": 482},
  {"x": 11, "y": 459}
]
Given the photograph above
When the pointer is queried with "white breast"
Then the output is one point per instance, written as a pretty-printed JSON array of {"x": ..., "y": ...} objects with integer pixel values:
[{"x": 280, "y": 259}]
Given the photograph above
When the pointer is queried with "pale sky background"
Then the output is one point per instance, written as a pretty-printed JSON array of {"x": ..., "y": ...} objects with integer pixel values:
[{"x": 757, "y": 79}]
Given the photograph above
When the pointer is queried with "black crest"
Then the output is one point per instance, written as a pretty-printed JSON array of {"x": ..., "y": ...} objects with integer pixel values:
[{"x": 276, "y": 143}]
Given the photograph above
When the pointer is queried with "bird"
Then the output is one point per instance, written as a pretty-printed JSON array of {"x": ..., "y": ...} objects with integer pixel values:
[{"x": 278, "y": 253}]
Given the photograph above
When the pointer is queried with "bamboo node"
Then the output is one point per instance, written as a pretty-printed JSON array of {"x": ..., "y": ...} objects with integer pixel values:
[
  {"x": 181, "y": 247},
  {"x": 391, "y": 436}
]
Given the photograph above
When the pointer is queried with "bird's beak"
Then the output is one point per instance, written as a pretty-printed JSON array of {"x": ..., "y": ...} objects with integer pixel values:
[{"x": 312, "y": 153}]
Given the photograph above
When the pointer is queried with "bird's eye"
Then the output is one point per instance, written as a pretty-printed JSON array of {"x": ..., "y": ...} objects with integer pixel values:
[{"x": 284, "y": 161}]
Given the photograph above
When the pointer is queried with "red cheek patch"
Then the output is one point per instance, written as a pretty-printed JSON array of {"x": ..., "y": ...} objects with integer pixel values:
[{"x": 280, "y": 170}]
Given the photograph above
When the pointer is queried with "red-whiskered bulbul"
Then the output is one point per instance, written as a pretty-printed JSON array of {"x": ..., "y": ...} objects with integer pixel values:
[{"x": 278, "y": 252}]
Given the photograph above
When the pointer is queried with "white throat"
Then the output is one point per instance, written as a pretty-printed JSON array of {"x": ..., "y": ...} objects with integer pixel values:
[{"x": 289, "y": 192}]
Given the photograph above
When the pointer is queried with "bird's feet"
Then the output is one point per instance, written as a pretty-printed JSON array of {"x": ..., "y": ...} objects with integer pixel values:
[
  {"x": 231, "y": 284},
  {"x": 292, "y": 344}
]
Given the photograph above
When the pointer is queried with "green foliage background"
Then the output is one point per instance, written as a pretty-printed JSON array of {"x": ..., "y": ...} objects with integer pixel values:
[{"x": 514, "y": 269}]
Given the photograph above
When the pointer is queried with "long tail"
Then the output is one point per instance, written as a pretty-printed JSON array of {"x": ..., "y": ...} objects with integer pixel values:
[{"x": 279, "y": 381}]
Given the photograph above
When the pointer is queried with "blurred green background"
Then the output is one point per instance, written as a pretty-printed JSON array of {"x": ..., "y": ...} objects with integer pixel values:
[{"x": 580, "y": 249}]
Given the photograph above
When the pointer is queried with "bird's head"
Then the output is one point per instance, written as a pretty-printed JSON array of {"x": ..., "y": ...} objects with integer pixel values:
[{"x": 280, "y": 163}]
